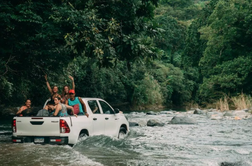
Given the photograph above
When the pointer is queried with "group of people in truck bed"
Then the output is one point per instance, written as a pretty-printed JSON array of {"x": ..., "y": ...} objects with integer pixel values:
[{"x": 58, "y": 104}]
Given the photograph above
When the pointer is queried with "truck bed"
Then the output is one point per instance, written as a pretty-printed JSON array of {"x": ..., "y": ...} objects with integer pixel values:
[{"x": 41, "y": 129}]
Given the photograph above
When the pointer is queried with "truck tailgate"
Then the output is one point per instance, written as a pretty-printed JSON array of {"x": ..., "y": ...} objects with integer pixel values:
[{"x": 38, "y": 126}]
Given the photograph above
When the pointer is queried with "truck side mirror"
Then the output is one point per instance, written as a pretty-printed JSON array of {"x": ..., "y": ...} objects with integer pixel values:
[{"x": 116, "y": 110}]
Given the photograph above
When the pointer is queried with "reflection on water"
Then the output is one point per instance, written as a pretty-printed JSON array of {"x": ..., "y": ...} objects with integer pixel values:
[{"x": 209, "y": 142}]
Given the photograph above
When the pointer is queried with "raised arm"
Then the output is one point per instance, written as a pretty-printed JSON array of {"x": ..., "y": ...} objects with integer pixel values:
[
  {"x": 48, "y": 85},
  {"x": 73, "y": 84},
  {"x": 83, "y": 106}
]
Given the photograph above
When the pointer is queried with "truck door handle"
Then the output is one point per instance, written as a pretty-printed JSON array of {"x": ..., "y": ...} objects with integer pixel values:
[
  {"x": 106, "y": 118},
  {"x": 94, "y": 118}
]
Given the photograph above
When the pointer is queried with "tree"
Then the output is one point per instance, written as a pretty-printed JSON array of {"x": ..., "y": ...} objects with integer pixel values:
[
  {"x": 172, "y": 39},
  {"x": 193, "y": 51},
  {"x": 177, "y": 3},
  {"x": 110, "y": 31},
  {"x": 40, "y": 37},
  {"x": 31, "y": 45},
  {"x": 226, "y": 63},
  {"x": 217, "y": 42}
]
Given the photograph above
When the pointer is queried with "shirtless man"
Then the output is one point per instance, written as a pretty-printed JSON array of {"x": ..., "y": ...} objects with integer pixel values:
[{"x": 25, "y": 109}]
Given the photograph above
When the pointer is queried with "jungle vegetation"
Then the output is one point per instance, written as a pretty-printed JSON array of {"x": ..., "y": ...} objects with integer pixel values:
[{"x": 146, "y": 53}]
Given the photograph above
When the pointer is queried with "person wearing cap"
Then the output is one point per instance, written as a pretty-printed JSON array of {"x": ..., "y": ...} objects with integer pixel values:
[{"x": 72, "y": 101}]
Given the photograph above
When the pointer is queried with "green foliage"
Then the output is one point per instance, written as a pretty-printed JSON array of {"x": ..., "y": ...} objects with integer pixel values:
[
  {"x": 126, "y": 51},
  {"x": 147, "y": 92},
  {"x": 172, "y": 83},
  {"x": 30, "y": 46},
  {"x": 91, "y": 81},
  {"x": 40, "y": 37},
  {"x": 193, "y": 51},
  {"x": 218, "y": 44},
  {"x": 177, "y": 3},
  {"x": 230, "y": 77},
  {"x": 179, "y": 9},
  {"x": 226, "y": 62},
  {"x": 226, "y": 30},
  {"x": 195, "y": 46},
  {"x": 109, "y": 31},
  {"x": 172, "y": 39},
  {"x": 6, "y": 87},
  {"x": 154, "y": 84}
]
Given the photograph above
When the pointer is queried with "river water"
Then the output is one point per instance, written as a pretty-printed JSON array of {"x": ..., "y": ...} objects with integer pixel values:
[{"x": 223, "y": 142}]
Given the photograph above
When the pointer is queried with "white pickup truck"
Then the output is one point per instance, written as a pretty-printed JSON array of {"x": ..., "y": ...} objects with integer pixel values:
[{"x": 67, "y": 130}]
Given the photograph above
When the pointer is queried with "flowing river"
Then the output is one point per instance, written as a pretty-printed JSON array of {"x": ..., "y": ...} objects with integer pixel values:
[{"x": 223, "y": 142}]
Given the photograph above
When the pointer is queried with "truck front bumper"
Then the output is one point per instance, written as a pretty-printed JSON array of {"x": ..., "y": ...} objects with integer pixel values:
[{"x": 40, "y": 140}]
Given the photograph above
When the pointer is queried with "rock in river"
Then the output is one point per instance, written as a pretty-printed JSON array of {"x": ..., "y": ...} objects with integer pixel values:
[
  {"x": 132, "y": 124},
  {"x": 198, "y": 111},
  {"x": 182, "y": 119},
  {"x": 154, "y": 122}
]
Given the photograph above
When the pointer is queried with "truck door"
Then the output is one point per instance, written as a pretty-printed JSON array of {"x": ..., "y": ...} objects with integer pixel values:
[
  {"x": 111, "y": 120},
  {"x": 97, "y": 118}
]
